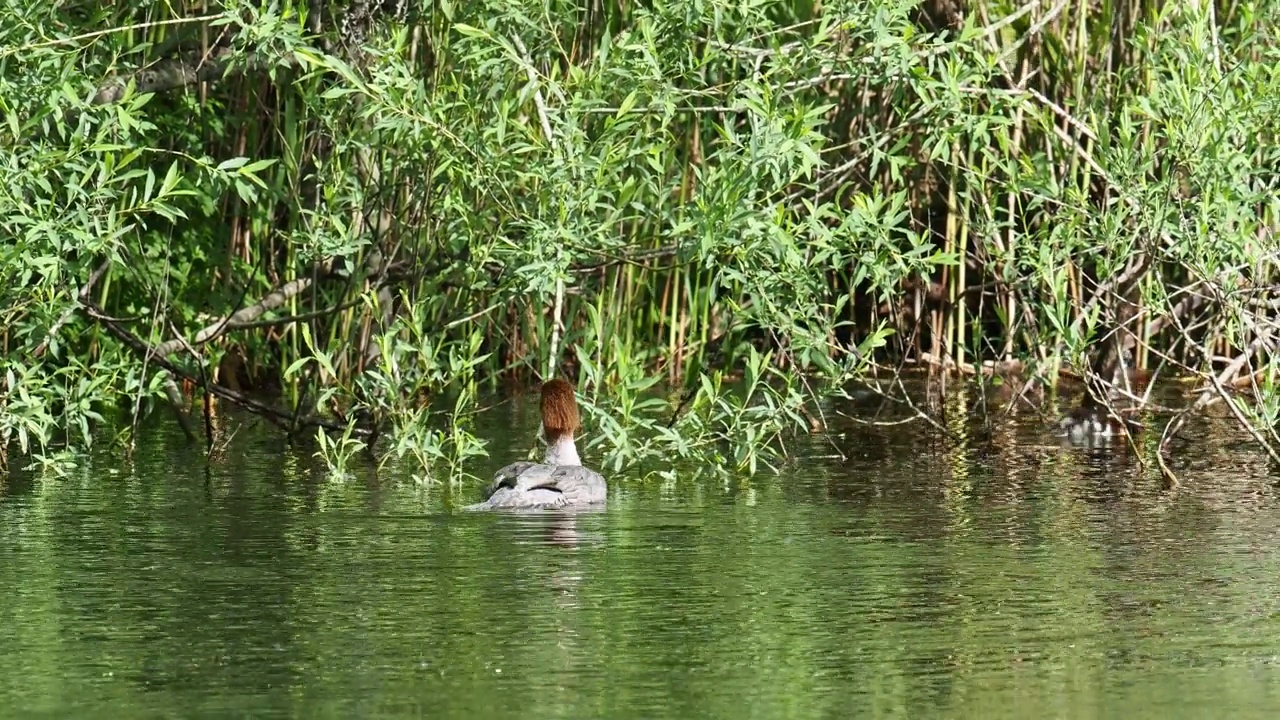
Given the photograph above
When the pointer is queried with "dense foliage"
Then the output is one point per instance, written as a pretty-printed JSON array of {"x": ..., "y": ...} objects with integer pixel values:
[{"x": 345, "y": 217}]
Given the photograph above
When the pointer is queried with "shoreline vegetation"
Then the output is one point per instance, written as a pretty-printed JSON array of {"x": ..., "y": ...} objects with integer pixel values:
[{"x": 711, "y": 216}]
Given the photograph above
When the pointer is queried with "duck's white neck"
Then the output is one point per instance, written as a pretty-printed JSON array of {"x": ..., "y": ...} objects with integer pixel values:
[{"x": 562, "y": 451}]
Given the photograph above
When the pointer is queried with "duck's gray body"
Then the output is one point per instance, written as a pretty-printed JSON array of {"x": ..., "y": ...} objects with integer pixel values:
[{"x": 531, "y": 485}]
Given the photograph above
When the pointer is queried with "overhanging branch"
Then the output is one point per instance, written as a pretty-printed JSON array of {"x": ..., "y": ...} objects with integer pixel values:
[{"x": 166, "y": 75}]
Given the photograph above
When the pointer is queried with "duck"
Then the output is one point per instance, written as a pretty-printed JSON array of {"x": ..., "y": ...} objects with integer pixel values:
[
  {"x": 1083, "y": 423},
  {"x": 560, "y": 480},
  {"x": 1090, "y": 422},
  {"x": 1093, "y": 421}
]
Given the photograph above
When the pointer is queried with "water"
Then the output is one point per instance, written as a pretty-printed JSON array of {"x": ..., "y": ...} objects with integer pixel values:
[{"x": 1018, "y": 578}]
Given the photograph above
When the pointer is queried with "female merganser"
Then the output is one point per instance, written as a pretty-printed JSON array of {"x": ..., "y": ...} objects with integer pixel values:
[{"x": 559, "y": 480}]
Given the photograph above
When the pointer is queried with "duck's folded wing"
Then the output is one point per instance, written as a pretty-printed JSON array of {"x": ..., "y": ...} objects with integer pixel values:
[
  {"x": 506, "y": 477},
  {"x": 578, "y": 484},
  {"x": 505, "y": 497}
]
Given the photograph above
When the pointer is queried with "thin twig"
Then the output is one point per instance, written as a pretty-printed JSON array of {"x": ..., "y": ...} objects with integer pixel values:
[
  {"x": 557, "y": 313},
  {"x": 99, "y": 33}
]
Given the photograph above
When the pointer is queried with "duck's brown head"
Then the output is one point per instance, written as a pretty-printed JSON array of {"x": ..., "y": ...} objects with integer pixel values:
[{"x": 559, "y": 410}]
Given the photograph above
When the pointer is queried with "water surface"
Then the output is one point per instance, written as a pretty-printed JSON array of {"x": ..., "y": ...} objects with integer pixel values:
[{"x": 1015, "y": 578}]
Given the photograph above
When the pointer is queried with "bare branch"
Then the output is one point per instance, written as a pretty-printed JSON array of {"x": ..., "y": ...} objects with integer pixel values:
[
  {"x": 274, "y": 414},
  {"x": 69, "y": 312}
]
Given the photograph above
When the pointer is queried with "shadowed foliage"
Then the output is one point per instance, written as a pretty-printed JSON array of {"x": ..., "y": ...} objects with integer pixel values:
[{"x": 712, "y": 216}]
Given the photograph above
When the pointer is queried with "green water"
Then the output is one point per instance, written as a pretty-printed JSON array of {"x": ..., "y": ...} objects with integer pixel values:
[{"x": 1019, "y": 579}]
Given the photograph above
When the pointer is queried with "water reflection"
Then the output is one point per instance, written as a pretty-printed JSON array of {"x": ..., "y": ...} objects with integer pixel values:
[
  {"x": 560, "y": 527},
  {"x": 1015, "y": 576}
]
